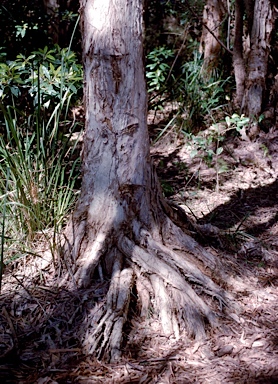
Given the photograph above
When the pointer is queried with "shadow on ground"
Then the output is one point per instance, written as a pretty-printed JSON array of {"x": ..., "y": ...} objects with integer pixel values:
[{"x": 242, "y": 205}]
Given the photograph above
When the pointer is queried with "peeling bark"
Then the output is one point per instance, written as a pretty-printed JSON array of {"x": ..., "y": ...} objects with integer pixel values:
[
  {"x": 263, "y": 22},
  {"x": 213, "y": 15},
  {"x": 238, "y": 60},
  {"x": 121, "y": 229}
]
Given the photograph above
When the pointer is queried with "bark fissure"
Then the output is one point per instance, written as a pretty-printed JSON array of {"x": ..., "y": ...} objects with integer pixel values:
[
  {"x": 120, "y": 231},
  {"x": 210, "y": 42},
  {"x": 258, "y": 58},
  {"x": 238, "y": 59},
  {"x": 152, "y": 264}
]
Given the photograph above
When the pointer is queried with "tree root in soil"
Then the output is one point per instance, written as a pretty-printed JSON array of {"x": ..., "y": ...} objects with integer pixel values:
[{"x": 162, "y": 273}]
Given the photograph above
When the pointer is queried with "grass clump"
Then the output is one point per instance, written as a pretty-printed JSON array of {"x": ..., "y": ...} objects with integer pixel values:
[{"x": 39, "y": 165}]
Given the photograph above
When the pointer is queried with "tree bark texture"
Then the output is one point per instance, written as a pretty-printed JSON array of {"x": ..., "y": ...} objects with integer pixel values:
[
  {"x": 263, "y": 22},
  {"x": 238, "y": 59},
  {"x": 120, "y": 230},
  {"x": 213, "y": 16}
]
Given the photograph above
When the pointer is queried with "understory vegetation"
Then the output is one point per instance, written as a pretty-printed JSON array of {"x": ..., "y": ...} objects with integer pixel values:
[
  {"x": 121, "y": 262},
  {"x": 41, "y": 124},
  {"x": 39, "y": 166}
]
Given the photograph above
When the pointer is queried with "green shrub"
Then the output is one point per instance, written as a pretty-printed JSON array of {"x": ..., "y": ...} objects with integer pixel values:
[
  {"x": 39, "y": 167},
  {"x": 198, "y": 95},
  {"x": 45, "y": 75},
  {"x": 157, "y": 68},
  {"x": 41, "y": 176}
]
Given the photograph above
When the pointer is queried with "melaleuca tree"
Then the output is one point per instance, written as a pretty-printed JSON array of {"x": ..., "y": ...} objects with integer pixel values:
[{"x": 122, "y": 230}]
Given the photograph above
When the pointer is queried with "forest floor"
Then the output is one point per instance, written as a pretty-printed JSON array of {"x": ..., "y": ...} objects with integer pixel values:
[{"x": 234, "y": 209}]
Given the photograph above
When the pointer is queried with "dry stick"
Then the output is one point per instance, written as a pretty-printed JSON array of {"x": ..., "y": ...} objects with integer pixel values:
[
  {"x": 229, "y": 24},
  {"x": 28, "y": 292},
  {"x": 210, "y": 31},
  {"x": 7, "y": 316},
  {"x": 177, "y": 55}
]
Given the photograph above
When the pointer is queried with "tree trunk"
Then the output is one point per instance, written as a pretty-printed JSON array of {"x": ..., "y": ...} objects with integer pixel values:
[
  {"x": 238, "y": 60},
  {"x": 120, "y": 229},
  {"x": 52, "y": 10},
  {"x": 213, "y": 15},
  {"x": 263, "y": 22}
]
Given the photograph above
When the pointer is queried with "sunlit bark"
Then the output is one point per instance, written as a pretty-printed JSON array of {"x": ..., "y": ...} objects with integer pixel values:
[
  {"x": 121, "y": 229},
  {"x": 238, "y": 59}
]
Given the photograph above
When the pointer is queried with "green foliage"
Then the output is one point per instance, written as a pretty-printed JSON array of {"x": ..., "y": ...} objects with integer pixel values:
[
  {"x": 42, "y": 175},
  {"x": 168, "y": 190},
  {"x": 200, "y": 97},
  {"x": 216, "y": 134},
  {"x": 3, "y": 228},
  {"x": 25, "y": 26},
  {"x": 46, "y": 74},
  {"x": 21, "y": 30},
  {"x": 209, "y": 149},
  {"x": 237, "y": 122},
  {"x": 22, "y": 25},
  {"x": 36, "y": 157},
  {"x": 208, "y": 144},
  {"x": 183, "y": 8},
  {"x": 157, "y": 68},
  {"x": 175, "y": 69}
]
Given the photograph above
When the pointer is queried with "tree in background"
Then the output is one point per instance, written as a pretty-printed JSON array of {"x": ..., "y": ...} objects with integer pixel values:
[
  {"x": 251, "y": 48},
  {"x": 32, "y": 24},
  {"x": 214, "y": 14},
  {"x": 121, "y": 231},
  {"x": 51, "y": 8},
  {"x": 60, "y": 14},
  {"x": 257, "y": 58}
]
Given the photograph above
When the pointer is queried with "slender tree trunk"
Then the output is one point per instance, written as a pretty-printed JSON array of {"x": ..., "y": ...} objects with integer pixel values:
[
  {"x": 52, "y": 10},
  {"x": 213, "y": 15},
  {"x": 238, "y": 60},
  {"x": 263, "y": 22},
  {"x": 120, "y": 230}
]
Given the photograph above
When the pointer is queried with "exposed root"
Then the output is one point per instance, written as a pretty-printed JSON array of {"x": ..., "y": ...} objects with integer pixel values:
[
  {"x": 189, "y": 270},
  {"x": 162, "y": 275},
  {"x": 191, "y": 307},
  {"x": 144, "y": 292},
  {"x": 164, "y": 307},
  {"x": 72, "y": 239},
  {"x": 175, "y": 238},
  {"x": 81, "y": 269},
  {"x": 105, "y": 336},
  {"x": 90, "y": 260}
]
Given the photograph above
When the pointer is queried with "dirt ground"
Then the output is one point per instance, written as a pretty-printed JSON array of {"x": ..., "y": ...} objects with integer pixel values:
[{"x": 233, "y": 212}]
